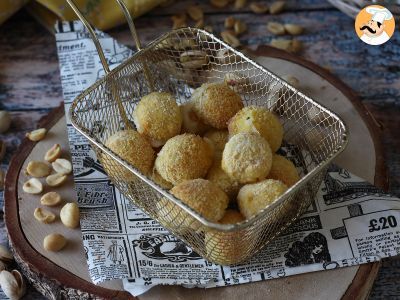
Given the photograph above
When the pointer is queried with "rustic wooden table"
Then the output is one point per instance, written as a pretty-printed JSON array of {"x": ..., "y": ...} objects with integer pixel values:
[{"x": 30, "y": 81}]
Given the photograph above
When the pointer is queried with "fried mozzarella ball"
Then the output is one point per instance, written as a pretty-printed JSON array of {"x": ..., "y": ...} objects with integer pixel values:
[
  {"x": 216, "y": 103},
  {"x": 261, "y": 120},
  {"x": 203, "y": 196},
  {"x": 158, "y": 117},
  {"x": 226, "y": 247},
  {"x": 284, "y": 170},
  {"x": 133, "y": 148},
  {"x": 184, "y": 157},
  {"x": 229, "y": 185},
  {"x": 218, "y": 139},
  {"x": 191, "y": 123},
  {"x": 253, "y": 198},
  {"x": 247, "y": 157}
]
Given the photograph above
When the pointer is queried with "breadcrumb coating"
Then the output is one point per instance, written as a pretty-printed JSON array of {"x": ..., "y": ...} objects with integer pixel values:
[
  {"x": 284, "y": 170},
  {"x": 158, "y": 117},
  {"x": 216, "y": 103},
  {"x": 253, "y": 198},
  {"x": 157, "y": 178},
  {"x": 203, "y": 196},
  {"x": 261, "y": 120},
  {"x": 133, "y": 148},
  {"x": 247, "y": 157},
  {"x": 184, "y": 157}
]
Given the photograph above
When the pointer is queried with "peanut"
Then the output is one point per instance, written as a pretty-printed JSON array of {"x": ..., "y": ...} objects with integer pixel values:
[
  {"x": 195, "y": 12},
  {"x": 219, "y": 3},
  {"x": 50, "y": 199},
  {"x": 276, "y": 28},
  {"x": 240, "y": 4},
  {"x": 294, "y": 29},
  {"x": 56, "y": 179},
  {"x": 277, "y": 7},
  {"x": 199, "y": 24},
  {"x": 230, "y": 39},
  {"x": 37, "y": 135},
  {"x": 69, "y": 215},
  {"x": 53, "y": 153},
  {"x": 294, "y": 81},
  {"x": 193, "y": 59},
  {"x": 43, "y": 215},
  {"x": 2, "y": 149},
  {"x": 229, "y": 22},
  {"x": 288, "y": 45},
  {"x": 239, "y": 27},
  {"x": 208, "y": 28},
  {"x": 13, "y": 284},
  {"x": 258, "y": 8},
  {"x": 38, "y": 169},
  {"x": 54, "y": 242},
  {"x": 62, "y": 166},
  {"x": 5, "y": 121},
  {"x": 33, "y": 186},
  {"x": 5, "y": 255},
  {"x": 178, "y": 21}
]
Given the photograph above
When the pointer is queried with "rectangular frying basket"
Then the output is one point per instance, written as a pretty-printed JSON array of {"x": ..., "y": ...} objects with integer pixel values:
[{"x": 317, "y": 135}]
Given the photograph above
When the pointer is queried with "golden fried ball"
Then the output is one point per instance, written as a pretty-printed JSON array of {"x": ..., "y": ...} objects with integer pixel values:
[
  {"x": 247, "y": 157},
  {"x": 133, "y": 148},
  {"x": 158, "y": 117},
  {"x": 261, "y": 120},
  {"x": 218, "y": 139},
  {"x": 184, "y": 157},
  {"x": 229, "y": 185},
  {"x": 203, "y": 196},
  {"x": 226, "y": 247},
  {"x": 284, "y": 170},
  {"x": 191, "y": 123},
  {"x": 216, "y": 103},
  {"x": 253, "y": 198}
]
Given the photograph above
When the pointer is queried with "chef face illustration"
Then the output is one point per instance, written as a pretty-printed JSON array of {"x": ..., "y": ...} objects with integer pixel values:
[{"x": 375, "y": 25}]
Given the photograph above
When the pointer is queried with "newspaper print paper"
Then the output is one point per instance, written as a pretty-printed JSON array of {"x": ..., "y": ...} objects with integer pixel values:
[{"x": 350, "y": 222}]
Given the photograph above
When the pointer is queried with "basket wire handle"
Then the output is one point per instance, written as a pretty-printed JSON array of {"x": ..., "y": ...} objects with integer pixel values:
[{"x": 103, "y": 59}]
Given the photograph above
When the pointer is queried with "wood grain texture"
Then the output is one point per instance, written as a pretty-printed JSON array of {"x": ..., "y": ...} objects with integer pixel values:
[{"x": 30, "y": 86}]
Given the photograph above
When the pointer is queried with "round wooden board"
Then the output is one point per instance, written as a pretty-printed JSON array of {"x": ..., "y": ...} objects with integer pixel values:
[{"x": 65, "y": 274}]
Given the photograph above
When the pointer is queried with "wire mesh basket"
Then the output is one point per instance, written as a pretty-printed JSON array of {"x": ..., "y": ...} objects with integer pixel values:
[{"x": 107, "y": 106}]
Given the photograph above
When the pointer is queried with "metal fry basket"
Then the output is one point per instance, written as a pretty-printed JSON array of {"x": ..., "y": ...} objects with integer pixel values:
[{"x": 178, "y": 62}]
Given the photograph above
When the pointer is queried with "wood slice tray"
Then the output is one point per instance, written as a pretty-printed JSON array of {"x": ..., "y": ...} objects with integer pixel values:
[{"x": 64, "y": 275}]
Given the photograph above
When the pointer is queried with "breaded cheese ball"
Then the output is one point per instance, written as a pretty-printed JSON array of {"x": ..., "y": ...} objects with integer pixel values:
[
  {"x": 253, "y": 198},
  {"x": 247, "y": 157},
  {"x": 133, "y": 148},
  {"x": 226, "y": 247},
  {"x": 218, "y": 139},
  {"x": 184, "y": 157},
  {"x": 284, "y": 170},
  {"x": 158, "y": 117},
  {"x": 216, "y": 103},
  {"x": 191, "y": 123},
  {"x": 203, "y": 196},
  {"x": 229, "y": 185},
  {"x": 261, "y": 120}
]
